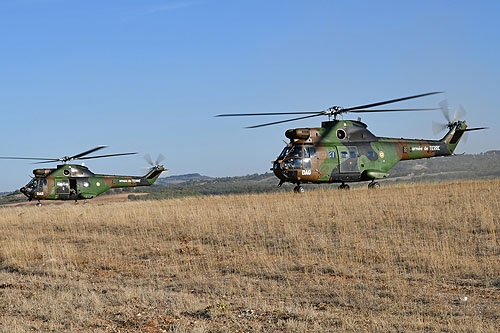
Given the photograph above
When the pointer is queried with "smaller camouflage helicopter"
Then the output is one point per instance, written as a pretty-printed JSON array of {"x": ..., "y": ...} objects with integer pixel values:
[
  {"x": 77, "y": 182},
  {"x": 344, "y": 151}
]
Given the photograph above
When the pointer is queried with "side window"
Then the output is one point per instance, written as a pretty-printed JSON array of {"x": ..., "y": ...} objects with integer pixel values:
[
  {"x": 352, "y": 154},
  {"x": 371, "y": 154},
  {"x": 343, "y": 154},
  {"x": 332, "y": 154},
  {"x": 310, "y": 152},
  {"x": 307, "y": 163}
]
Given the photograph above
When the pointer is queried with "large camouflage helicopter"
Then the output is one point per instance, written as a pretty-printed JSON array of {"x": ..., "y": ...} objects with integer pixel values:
[
  {"x": 343, "y": 151},
  {"x": 77, "y": 182}
]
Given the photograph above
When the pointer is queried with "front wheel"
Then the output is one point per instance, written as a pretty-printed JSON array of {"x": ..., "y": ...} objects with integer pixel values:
[{"x": 298, "y": 189}]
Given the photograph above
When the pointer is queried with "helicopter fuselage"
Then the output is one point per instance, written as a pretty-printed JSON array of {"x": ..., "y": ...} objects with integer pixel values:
[
  {"x": 74, "y": 182},
  {"x": 346, "y": 151}
]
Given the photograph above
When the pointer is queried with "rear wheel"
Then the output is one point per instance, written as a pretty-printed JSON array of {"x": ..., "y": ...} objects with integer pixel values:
[
  {"x": 374, "y": 185},
  {"x": 344, "y": 187}
]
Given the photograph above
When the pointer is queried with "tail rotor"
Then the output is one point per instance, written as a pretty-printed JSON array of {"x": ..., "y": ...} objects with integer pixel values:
[
  {"x": 152, "y": 164},
  {"x": 451, "y": 122},
  {"x": 159, "y": 159}
]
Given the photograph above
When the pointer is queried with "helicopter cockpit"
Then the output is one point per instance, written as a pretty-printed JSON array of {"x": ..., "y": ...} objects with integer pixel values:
[
  {"x": 32, "y": 185},
  {"x": 35, "y": 185},
  {"x": 293, "y": 158}
]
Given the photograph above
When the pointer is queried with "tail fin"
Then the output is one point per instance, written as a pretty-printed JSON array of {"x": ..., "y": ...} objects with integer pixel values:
[
  {"x": 454, "y": 135},
  {"x": 154, "y": 173}
]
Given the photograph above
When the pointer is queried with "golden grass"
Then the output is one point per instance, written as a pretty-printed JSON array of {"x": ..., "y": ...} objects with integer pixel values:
[{"x": 400, "y": 258}]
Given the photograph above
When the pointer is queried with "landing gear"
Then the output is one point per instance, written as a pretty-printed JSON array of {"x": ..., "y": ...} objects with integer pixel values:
[
  {"x": 374, "y": 185},
  {"x": 298, "y": 189},
  {"x": 39, "y": 204},
  {"x": 344, "y": 186}
]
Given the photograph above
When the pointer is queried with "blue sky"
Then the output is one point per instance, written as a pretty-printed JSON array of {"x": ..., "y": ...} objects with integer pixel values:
[{"x": 149, "y": 76}]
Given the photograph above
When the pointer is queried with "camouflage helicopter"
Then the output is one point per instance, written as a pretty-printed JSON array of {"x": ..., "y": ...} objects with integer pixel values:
[
  {"x": 75, "y": 182},
  {"x": 343, "y": 151}
]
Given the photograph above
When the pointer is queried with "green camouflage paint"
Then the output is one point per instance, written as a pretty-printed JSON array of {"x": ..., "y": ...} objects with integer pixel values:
[
  {"x": 74, "y": 182},
  {"x": 345, "y": 151}
]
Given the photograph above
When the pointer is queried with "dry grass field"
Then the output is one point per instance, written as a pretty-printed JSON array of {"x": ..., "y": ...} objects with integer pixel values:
[{"x": 403, "y": 258}]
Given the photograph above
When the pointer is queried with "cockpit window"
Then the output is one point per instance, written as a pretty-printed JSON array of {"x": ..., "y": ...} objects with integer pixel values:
[
  {"x": 40, "y": 186},
  {"x": 284, "y": 153},
  {"x": 309, "y": 151},
  {"x": 32, "y": 184},
  {"x": 296, "y": 151},
  {"x": 293, "y": 163}
]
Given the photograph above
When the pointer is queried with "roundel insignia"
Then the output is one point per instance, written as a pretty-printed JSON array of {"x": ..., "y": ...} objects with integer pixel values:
[{"x": 381, "y": 154}]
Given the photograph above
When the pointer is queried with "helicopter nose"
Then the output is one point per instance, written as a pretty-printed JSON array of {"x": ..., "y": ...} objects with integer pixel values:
[
  {"x": 278, "y": 170},
  {"x": 28, "y": 192},
  {"x": 25, "y": 191}
]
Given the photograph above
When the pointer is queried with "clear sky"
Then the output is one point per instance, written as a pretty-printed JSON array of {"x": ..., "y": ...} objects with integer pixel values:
[{"x": 149, "y": 75}]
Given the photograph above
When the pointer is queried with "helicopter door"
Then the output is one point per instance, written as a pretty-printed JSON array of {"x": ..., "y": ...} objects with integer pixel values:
[
  {"x": 42, "y": 185},
  {"x": 62, "y": 188},
  {"x": 348, "y": 158},
  {"x": 310, "y": 161},
  {"x": 73, "y": 189}
]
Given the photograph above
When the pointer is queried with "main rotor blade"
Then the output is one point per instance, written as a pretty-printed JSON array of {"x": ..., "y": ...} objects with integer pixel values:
[
  {"x": 100, "y": 156},
  {"x": 51, "y": 161},
  {"x": 265, "y": 114},
  {"x": 393, "y": 110},
  {"x": 286, "y": 120},
  {"x": 77, "y": 156},
  {"x": 391, "y": 101},
  {"x": 29, "y": 158}
]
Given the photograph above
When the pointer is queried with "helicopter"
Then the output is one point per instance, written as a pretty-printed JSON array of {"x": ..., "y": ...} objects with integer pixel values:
[
  {"x": 76, "y": 182},
  {"x": 344, "y": 151}
]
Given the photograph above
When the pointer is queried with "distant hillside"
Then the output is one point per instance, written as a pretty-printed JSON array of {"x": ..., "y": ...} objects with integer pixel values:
[
  {"x": 483, "y": 165},
  {"x": 180, "y": 179}
]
